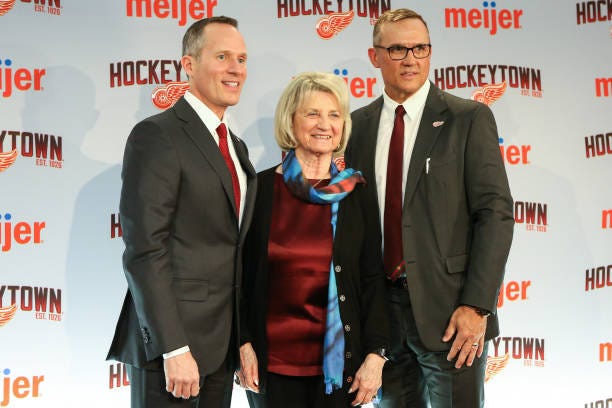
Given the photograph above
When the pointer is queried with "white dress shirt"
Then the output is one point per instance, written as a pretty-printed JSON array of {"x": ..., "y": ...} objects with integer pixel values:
[{"x": 414, "y": 111}]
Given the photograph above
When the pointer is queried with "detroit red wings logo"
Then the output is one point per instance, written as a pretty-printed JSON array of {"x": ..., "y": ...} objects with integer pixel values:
[
  {"x": 6, "y": 6},
  {"x": 489, "y": 93},
  {"x": 7, "y": 314},
  {"x": 333, "y": 23},
  {"x": 495, "y": 365},
  {"x": 167, "y": 95},
  {"x": 7, "y": 159}
]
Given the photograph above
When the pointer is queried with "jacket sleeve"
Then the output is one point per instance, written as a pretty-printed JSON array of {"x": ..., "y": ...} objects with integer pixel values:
[
  {"x": 151, "y": 178},
  {"x": 490, "y": 206}
]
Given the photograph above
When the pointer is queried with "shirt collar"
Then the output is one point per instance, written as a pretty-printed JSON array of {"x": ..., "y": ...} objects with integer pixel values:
[
  {"x": 211, "y": 121},
  {"x": 413, "y": 105}
]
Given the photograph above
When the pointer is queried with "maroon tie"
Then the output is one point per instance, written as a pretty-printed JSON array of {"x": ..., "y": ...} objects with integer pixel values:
[
  {"x": 222, "y": 132},
  {"x": 393, "y": 258}
]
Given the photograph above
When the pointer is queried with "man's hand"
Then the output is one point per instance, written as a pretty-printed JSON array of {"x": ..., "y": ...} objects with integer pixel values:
[
  {"x": 468, "y": 329},
  {"x": 368, "y": 379},
  {"x": 182, "y": 376},
  {"x": 248, "y": 375}
]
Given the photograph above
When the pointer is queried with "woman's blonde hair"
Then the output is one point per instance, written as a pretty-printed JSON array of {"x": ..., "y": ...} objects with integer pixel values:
[{"x": 300, "y": 87}]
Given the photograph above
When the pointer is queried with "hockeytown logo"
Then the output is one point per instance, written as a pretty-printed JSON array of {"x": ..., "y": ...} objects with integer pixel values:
[
  {"x": 493, "y": 79},
  {"x": 529, "y": 349},
  {"x": 6, "y": 6},
  {"x": 53, "y": 7},
  {"x": 166, "y": 73},
  {"x": 44, "y": 148},
  {"x": 45, "y": 303},
  {"x": 336, "y": 15}
]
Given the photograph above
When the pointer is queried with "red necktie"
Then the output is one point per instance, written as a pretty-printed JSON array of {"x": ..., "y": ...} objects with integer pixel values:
[
  {"x": 393, "y": 258},
  {"x": 222, "y": 132}
]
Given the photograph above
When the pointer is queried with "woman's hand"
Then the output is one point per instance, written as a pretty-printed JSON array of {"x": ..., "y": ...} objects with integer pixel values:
[
  {"x": 248, "y": 375},
  {"x": 368, "y": 379}
]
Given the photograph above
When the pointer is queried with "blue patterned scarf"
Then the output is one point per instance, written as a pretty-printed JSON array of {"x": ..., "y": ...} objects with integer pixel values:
[{"x": 341, "y": 184}]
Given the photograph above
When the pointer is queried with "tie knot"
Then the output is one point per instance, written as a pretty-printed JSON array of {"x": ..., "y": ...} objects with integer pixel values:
[
  {"x": 399, "y": 111},
  {"x": 222, "y": 131}
]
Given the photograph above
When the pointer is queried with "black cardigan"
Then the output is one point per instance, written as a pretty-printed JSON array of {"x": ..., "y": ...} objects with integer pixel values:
[{"x": 359, "y": 276}]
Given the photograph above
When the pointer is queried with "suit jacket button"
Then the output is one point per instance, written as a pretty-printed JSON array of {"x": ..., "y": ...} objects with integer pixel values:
[
  {"x": 347, "y": 327},
  {"x": 348, "y": 355},
  {"x": 349, "y": 379},
  {"x": 338, "y": 268},
  {"x": 342, "y": 298}
]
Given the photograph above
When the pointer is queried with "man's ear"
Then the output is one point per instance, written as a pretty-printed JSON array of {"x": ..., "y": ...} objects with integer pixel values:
[
  {"x": 373, "y": 57},
  {"x": 187, "y": 63}
]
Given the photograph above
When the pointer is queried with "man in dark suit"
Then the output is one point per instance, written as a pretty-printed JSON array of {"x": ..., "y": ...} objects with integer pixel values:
[
  {"x": 437, "y": 179},
  {"x": 186, "y": 204}
]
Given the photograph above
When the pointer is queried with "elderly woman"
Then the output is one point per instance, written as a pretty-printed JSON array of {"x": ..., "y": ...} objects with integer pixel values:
[{"x": 314, "y": 329}]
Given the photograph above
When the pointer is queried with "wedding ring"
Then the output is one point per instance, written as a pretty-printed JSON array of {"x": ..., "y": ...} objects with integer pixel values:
[{"x": 475, "y": 345}]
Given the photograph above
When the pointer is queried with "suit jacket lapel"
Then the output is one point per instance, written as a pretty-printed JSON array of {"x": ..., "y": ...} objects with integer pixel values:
[
  {"x": 368, "y": 126},
  {"x": 434, "y": 112},
  {"x": 249, "y": 200},
  {"x": 201, "y": 137}
]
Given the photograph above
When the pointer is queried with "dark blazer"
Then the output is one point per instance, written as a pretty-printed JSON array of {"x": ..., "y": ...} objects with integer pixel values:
[
  {"x": 457, "y": 220},
  {"x": 359, "y": 278},
  {"x": 182, "y": 256}
]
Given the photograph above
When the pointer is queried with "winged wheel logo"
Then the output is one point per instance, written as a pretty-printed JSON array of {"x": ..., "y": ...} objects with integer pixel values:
[
  {"x": 489, "y": 93},
  {"x": 333, "y": 23}
]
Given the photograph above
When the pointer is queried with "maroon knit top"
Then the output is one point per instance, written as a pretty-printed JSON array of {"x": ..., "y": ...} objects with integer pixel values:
[{"x": 299, "y": 253}]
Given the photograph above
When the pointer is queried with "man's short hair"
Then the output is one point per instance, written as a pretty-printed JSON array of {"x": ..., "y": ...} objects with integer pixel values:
[
  {"x": 391, "y": 16},
  {"x": 193, "y": 40}
]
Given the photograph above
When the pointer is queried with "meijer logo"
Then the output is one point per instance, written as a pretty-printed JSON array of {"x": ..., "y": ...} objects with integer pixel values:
[
  {"x": 514, "y": 154},
  {"x": 603, "y": 87},
  {"x": 19, "y": 387},
  {"x": 22, "y": 79},
  {"x": 489, "y": 17},
  {"x": 606, "y": 219},
  {"x": 359, "y": 87},
  {"x": 176, "y": 9},
  {"x": 605, "y": 352},
  {"x": 22, "y": 232},
  {"x": 513, "y": 291}
]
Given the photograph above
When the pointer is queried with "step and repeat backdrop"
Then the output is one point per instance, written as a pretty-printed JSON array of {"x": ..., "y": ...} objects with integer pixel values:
[{"x": 75, "y": 76}]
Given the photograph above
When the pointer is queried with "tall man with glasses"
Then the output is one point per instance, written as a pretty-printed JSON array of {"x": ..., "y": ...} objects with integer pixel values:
[{"x": 437, "y": 180}]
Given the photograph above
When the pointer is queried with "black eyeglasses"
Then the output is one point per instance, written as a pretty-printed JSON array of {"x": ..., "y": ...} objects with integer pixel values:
[{"x": 399, "y": 52}]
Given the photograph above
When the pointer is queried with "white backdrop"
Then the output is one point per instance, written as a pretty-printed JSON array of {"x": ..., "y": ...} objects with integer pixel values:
[{"x": 75, "y": 76}]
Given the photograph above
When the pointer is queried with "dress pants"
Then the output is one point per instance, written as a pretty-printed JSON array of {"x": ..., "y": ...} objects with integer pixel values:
[
  {"x": 148, "y": 389},
  {"x": 415, "y": 376},
  {"x": 283, "y": 391}
]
